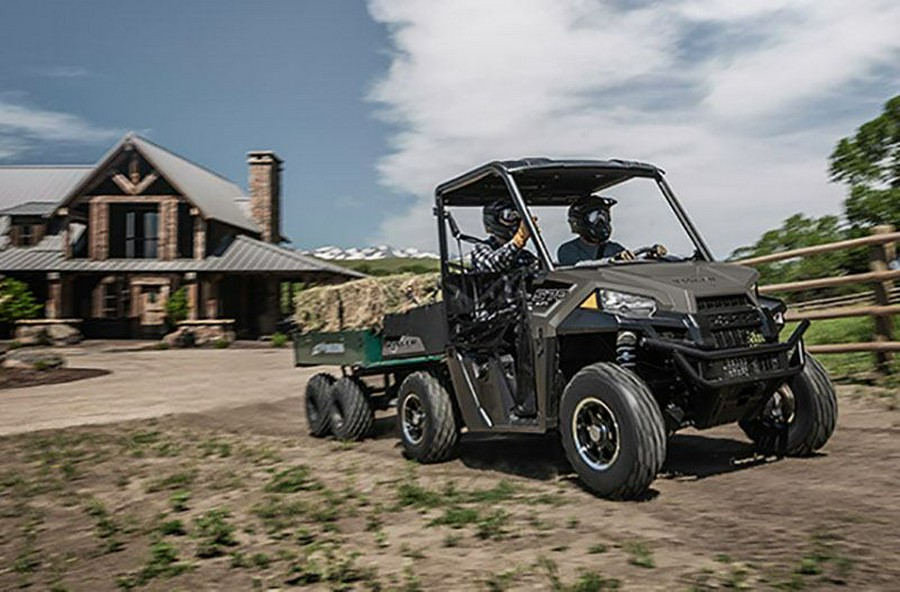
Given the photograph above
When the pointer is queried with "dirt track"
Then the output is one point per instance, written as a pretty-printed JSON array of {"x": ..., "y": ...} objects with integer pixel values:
[{"x": 717, "y": 517}]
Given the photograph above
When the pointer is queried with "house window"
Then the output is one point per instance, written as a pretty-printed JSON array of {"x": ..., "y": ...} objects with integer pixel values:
[
  {"x": 26, "y": 235},
  {"x": 141, "y": 234}
]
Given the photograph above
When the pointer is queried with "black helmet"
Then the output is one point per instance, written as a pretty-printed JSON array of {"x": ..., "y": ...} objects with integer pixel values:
[
  {"x": 590, "y": 218},
  {"x": 501, "y": 219}
]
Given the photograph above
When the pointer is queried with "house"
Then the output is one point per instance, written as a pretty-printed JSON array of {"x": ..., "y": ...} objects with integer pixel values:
[{"x": 111, "y": 242}]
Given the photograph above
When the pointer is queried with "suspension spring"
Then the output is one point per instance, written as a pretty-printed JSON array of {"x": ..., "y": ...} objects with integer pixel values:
[{"x": 626, "y": 349}]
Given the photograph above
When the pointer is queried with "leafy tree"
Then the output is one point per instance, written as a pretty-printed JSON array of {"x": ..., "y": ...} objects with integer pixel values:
[
  {"x": 869, "y": 162},
  {"x": 177, "y": 306},
  {"x": 17, "y": 302}
]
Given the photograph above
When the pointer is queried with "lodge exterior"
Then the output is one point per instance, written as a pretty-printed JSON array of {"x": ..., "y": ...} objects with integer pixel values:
[{"x": 109, "y": 243}]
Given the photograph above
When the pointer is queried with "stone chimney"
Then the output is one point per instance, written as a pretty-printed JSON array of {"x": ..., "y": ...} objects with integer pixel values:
[{"x": 265, "y": 193}]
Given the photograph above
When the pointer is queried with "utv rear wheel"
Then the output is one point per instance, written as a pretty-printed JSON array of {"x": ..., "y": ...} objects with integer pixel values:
[
  {"x": 351, "y": 414},
  {"x": 799, "y": 417},
  {"x": 612, "y": 431},
  {"x": 425, "y": 419},
  {"x": 318, "y": 404}
]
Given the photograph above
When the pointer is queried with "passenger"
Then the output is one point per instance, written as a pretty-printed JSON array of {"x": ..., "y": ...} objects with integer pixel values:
[
  {"x": 590, "y": 218},
  {"x": 504, "y": 248}
]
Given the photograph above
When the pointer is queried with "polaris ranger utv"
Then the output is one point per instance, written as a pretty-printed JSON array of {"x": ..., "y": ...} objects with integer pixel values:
[{"x": 615, "y": 356}]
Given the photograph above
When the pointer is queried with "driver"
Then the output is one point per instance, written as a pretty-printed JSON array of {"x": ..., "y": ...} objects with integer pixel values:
[
  {"x": 590, "y": 218},
  {"x": 504, "y": 248}
]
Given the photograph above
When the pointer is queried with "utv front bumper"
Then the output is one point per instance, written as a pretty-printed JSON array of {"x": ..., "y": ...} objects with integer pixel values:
[{"x": 720, "y": 368}]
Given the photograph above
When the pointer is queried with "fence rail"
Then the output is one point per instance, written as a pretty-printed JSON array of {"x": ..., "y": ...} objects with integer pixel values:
[{"x": 883, "y": 296}]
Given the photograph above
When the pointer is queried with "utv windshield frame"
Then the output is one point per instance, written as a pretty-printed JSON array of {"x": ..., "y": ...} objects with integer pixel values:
[{"x": 545, "y": 182}]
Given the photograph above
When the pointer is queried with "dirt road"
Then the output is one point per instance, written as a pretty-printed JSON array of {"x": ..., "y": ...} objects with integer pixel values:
[{"x": 505, "y": 515}]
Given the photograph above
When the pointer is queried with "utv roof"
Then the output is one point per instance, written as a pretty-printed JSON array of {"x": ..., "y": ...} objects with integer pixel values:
[{"x": 541, "y": 181}]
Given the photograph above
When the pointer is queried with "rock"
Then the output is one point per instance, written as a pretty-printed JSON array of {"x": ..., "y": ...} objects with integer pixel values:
[
  {"x": 38, "y": 359},
  {"x": 199, "y": 334},
  {"x": 49, "y": 332}
]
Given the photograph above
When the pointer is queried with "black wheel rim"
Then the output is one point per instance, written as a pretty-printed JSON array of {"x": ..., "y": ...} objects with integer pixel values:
[
  {"x": 412, "y": 418},
  {"x": 596, "y": 433},
  {"x": 781, "y": 408}
]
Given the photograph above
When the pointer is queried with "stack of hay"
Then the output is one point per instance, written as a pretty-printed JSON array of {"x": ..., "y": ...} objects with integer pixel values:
[{"x": 362, "y": 304}]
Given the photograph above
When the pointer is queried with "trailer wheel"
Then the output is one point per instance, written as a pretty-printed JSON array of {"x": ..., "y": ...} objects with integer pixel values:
[
  {"x": 425, "y": 419},
  {"x": 351, "y": 414},
  {"x": 318, "y": 404},
  {"x": 799, "y": 417},
  {"x": 612, "y": 431}
]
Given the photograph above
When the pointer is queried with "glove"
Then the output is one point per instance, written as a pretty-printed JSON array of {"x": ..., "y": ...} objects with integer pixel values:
[
  {"x": 625, "y": 255},
  {"x": 660, "y": 251},
  {"x": 522, "y": 234}
]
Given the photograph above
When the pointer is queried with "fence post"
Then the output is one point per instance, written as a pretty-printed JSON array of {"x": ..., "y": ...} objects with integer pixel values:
[{"x": 880, "y": 259}]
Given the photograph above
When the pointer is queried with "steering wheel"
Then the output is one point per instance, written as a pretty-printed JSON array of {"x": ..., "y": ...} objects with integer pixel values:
[{"x": 651, "y": 252}]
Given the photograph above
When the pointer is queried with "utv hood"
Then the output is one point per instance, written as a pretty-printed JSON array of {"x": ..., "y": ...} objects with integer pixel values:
[{"x": 675, "y": 286}]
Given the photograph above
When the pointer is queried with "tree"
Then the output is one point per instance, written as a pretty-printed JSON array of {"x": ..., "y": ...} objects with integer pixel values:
[
  {"x": 17, "y": 302},
  {"x": 869, "y": 162}
]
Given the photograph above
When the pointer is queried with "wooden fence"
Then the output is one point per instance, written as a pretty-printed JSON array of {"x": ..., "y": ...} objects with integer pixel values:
[{"x": 881, "y": 304}]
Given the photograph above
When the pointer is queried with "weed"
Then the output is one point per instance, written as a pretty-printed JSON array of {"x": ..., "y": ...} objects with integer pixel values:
[
  {"x": 456, "y": 517},
  {"x": 261, "y": 560},
  {"x": 215, "y": 447},
  {"x": 381, "y": 539},
  {"x": 373, "y": 522},
  {"x": 178, "y": 500},
  {"x": 172, "y": 528},
  {"x": 591, "y": 581},
  {"x": 500, "y": 582},
  {"x": 239, "y": 560},
  {"x": 222, "y": 343},
  {"x": 411, "y": 582},
  {"x": 723, "y": 558},
  {"x": 293, "y": 480},
  {"x": 409, "y": 552},
  {"x": 492, "y": 525},
  {"x": 173, "y": 481},
  {"x": 573, "y": 523},
  {"x": 641, "y": 555},
  {"x": 216, "y": 533},
  {"x": 452, "y": 540},
  {"x": 597, "y": 548},
  {"x": 107, "y": 528},
  {"x": 304, "y": 537},
  {"x": 163, "y": 562},
  {"x": 27, "y": 561},
  {"x": 278, "y": 515},
  {"x": 279, "y": 340}
]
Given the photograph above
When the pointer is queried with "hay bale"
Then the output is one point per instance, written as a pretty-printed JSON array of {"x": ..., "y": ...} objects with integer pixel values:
[{"x": 363, "y": 304}]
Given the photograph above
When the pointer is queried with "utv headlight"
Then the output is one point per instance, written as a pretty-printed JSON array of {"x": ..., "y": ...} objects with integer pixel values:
[{"x": 625, "y": 304}]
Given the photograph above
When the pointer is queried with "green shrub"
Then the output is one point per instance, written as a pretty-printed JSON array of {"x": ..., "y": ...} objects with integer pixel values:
[
  {"x": 177, "y": 307},
  {"x": 17, "y": 302},
  {"x": 279, "y": 340},
  {"x": 221, "y": 343}
]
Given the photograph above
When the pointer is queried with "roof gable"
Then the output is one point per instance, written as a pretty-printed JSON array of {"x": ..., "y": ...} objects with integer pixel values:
[
  {"x": 215, "y": 196},
  {"x": 23, "y": 184}
]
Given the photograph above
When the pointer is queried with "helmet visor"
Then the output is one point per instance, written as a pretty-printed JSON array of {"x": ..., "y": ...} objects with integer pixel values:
[
  {"x": 594, "y": 216},
  {"x": 509, "y": 216}
]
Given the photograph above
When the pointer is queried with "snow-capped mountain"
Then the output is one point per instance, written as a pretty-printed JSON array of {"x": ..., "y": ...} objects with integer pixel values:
[{"x": 333, "y": 253}]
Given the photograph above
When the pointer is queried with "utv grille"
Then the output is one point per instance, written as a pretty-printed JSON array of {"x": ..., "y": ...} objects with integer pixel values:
[{"x": 730, "y": 321}]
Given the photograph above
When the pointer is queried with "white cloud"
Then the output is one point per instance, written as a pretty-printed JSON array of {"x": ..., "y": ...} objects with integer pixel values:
[
  {"x": 744, "y": 124},
  {"x": 23, "y": 127}
]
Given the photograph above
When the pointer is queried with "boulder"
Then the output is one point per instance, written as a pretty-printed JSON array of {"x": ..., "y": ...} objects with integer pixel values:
[
  {"x": 35, "y": 358},
  {"x": 200, "y": 333},
  {"x": 48, "y": 332}
]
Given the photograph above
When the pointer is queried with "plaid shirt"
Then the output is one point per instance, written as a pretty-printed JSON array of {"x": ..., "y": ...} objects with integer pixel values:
[{"x": 496, "y": 257}]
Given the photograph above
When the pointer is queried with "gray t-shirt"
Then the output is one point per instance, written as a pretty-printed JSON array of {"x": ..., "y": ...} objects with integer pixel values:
[{"x": 575, "y": 250}]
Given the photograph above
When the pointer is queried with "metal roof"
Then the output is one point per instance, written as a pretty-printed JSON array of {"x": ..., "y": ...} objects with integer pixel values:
[
  {"x": 30, "y": 208},
  {"x": 243, "y": 255},
  {"x": 20, "y": 184},
  {"x": 214, "y": 195}
]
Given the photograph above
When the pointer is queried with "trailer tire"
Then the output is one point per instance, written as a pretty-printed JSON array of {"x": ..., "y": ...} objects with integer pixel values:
[
  {"x": 812, "y": 408},
  {"x": 425, "y": 419},
  {"x": 351, "y": 414},
  {"x": 612, "y": 431},
  {"x": 318, "y": 404}
]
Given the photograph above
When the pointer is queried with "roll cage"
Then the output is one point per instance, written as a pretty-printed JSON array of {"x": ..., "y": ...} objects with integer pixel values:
[{"x": 546, "y": 182}]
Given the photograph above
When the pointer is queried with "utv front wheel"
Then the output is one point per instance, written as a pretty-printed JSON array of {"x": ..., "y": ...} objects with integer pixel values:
[
  {"x": 318, "y": 404},
  {"x": 425, "y": 419},
  {"x": 612, "y": 431},
  {"x": 351, "y": 414},
  {"x": 799, "y": 417}
]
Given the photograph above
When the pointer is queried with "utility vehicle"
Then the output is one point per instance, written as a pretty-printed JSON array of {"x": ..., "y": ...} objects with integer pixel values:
[{"x": 617, "y": 356}]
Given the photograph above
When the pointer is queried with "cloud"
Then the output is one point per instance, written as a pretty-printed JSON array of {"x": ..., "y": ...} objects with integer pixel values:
[
  {"x": 63, "y": 72},
  {"x": 740, "y": 101},
  {"x": 23, "y": 127}
]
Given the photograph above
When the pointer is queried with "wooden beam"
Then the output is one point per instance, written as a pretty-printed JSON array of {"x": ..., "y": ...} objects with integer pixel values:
[
  {"x": 859, "y": 278},
  {"x": 843, "y": 312},
  {"x": 877, "y": 239},
  {"x": 849, "y": 348}
]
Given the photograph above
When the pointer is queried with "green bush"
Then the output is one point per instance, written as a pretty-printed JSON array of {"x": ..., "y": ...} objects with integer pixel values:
[
  {"x": 279, "y": 340},
  {"x": 17, "y": 302},
  {"x": 177, "y": 307}
]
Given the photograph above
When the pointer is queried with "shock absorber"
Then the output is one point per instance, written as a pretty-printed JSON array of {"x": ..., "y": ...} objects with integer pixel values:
[{"x": 626, "y": 349}]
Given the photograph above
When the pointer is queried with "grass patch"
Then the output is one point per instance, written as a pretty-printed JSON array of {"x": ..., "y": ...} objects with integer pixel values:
[
  {"x": 215, "y": 532},
  {"x": 456, "y": 517},
  {"x": 293, "y": 480},
  {"x": 641, "y": 555},
  {"x": 588, "y": 581},
  {"x": 178, "y": 501},
  {"x": 163, "y": 562},
  {"x": 174, "y": 481}
]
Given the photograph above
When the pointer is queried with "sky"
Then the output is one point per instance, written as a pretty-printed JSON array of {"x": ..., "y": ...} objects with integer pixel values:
[{"x": 372, "y": 104}]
